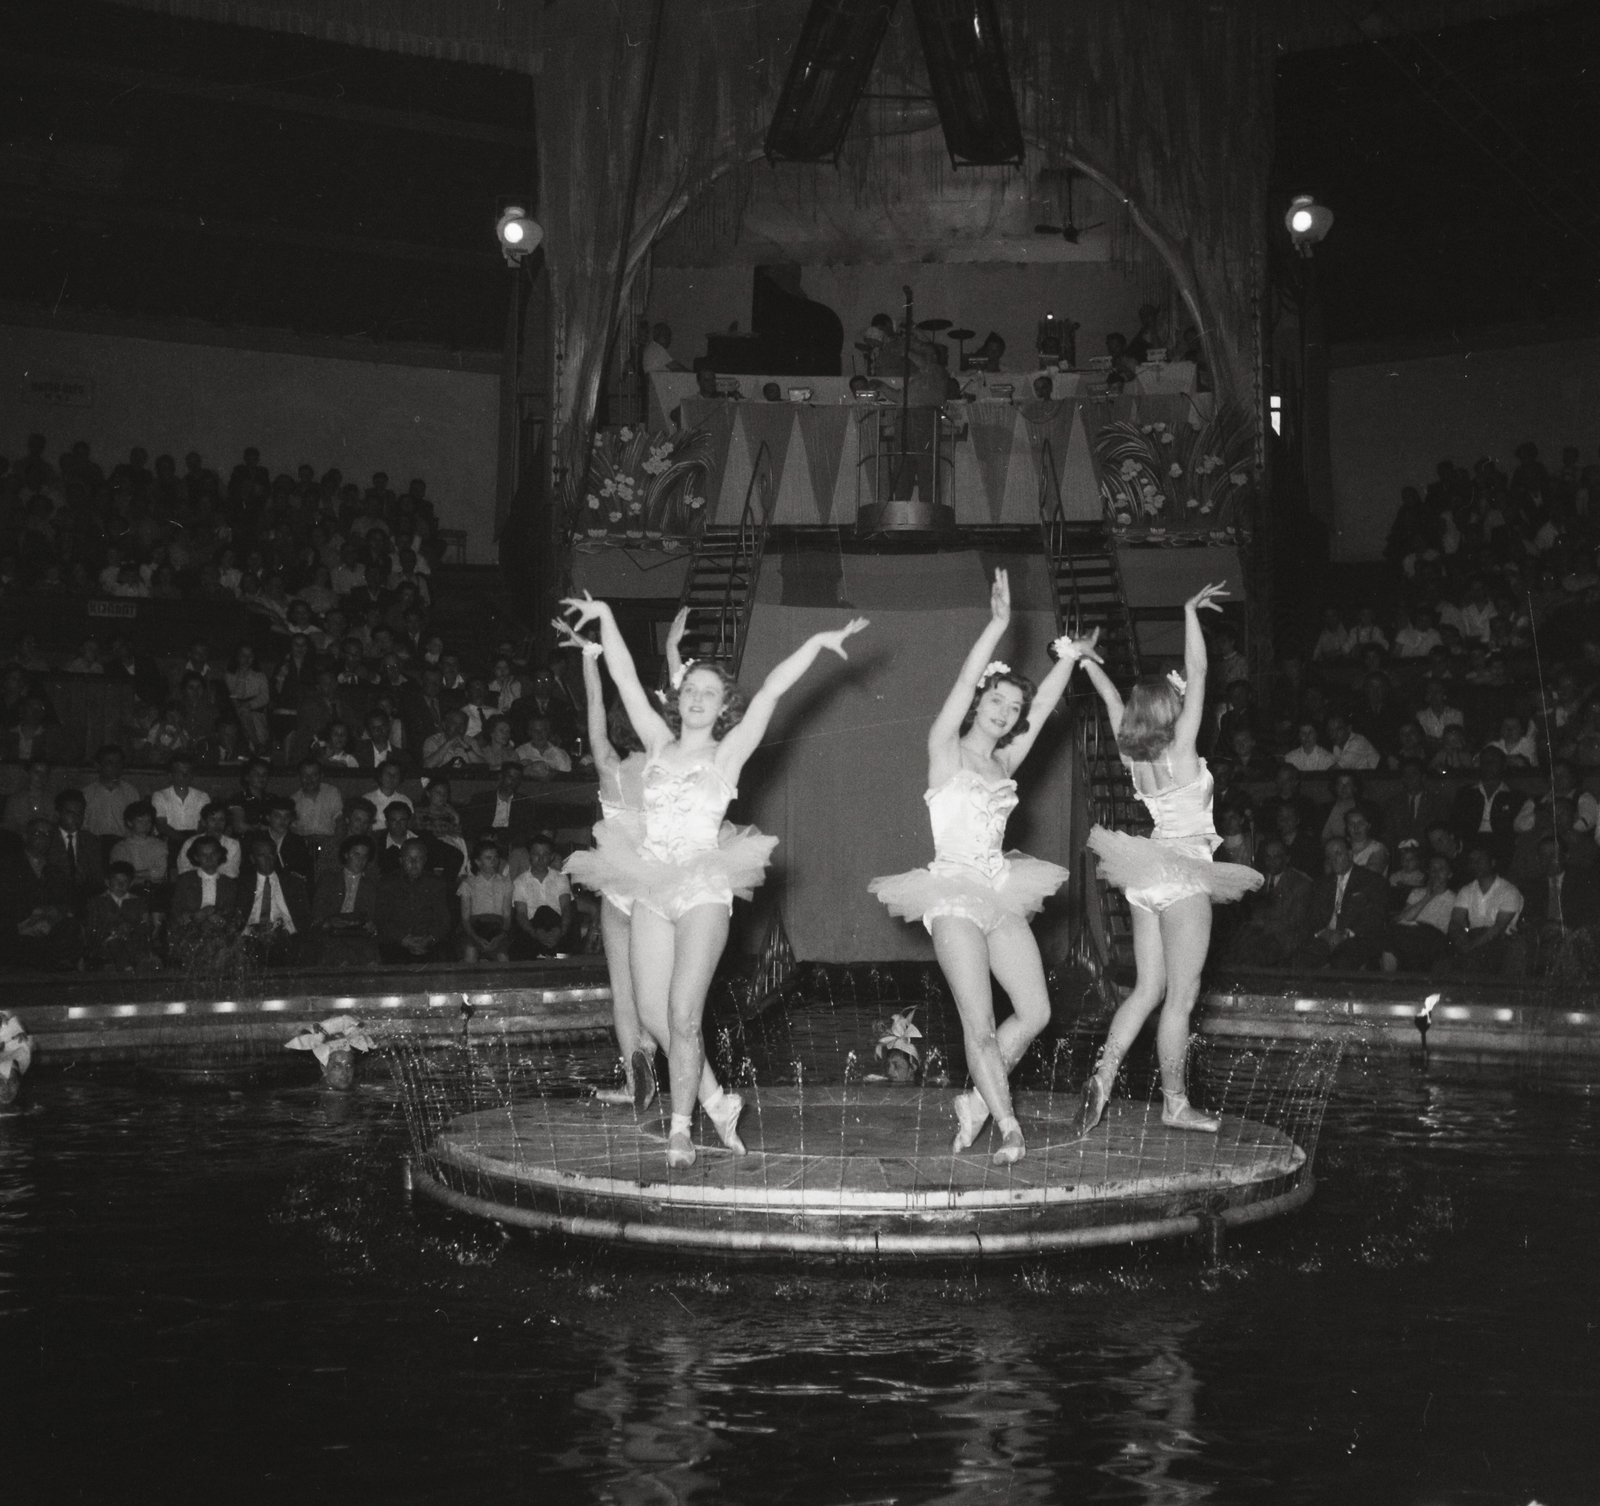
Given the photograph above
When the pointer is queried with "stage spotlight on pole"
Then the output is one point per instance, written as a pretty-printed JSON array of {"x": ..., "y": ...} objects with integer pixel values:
[
  {"x": 1308, "y": 222},
  {"x": 517, "y": 233}
]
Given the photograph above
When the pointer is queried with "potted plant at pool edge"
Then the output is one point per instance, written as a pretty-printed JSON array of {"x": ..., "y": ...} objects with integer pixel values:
[{"x": 334, "y": 1043}]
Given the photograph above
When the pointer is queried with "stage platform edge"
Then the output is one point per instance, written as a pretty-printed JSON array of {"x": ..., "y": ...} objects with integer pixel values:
[{"x": 859, "y": 1173}]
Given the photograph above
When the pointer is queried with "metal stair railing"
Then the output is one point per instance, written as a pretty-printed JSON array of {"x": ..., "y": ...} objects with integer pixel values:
[{"x": 732, "y": 623}]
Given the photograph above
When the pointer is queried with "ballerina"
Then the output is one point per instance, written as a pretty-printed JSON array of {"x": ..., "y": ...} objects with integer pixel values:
[
  {"x": 974, "y": 899},
  {"x": 1169, "y": 877},
  {"x": 683, "y": 877},
  {"x": 622, "y": 812}
]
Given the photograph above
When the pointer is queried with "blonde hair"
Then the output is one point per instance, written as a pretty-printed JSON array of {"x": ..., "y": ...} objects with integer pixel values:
[{"x": 1151, "y": 710}]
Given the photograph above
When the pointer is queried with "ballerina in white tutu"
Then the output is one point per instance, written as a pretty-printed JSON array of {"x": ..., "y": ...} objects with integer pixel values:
[
  {"x": 974, "y": 898},
  {"x": 682, "y": 878},
  {"x": 621, "y": 778},
  {"x": 1169, "y": 877}
]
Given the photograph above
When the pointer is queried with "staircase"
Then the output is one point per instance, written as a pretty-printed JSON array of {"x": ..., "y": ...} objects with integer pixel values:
[
  {"x": 721, "y": 585},
  {"x": 1087, "y": 586}
]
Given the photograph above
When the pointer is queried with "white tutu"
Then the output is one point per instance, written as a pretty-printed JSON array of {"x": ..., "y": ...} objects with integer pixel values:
[
  {"x": 946, "y": 887},
  {"x": 1156, "y": 874},
  {"x": 618, "y": 867}
]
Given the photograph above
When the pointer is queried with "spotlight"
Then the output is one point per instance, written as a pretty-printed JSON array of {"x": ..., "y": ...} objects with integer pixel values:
[
  {"x": 517, "y": 233},
  {"x": 1308, "y": 222}
]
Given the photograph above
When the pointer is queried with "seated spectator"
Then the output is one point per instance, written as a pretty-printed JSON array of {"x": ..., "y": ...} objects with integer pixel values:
[
  {"x": 251, "y": 696},
  {"x": 1302, "y": 842},
  {"x": 1517, "y": 743},
  {"x": 413, "y": 914},
  {"x": 1411, "y": 745},
  {"x": 1486, "y": 911},
  {"x": 293, "y": 851},
  {"x": 1286, "y": 791},
  {"x": 1409, "y": 872},
  {"x": 213, "y": 824},
  {"x": 89, "y": 661},
  {"x": 156, "y": 734},
  {"x": 1563, "y": 786},
  {"x": 495, "y": 746},
  {"x": 379, "y": 746},
  {"x": 358, "y": 819},
  {"x": 248, "y": 805},
  {"x": 1277, "y": 918},
  {"x": 438, "y": 818},
  {"x": 1233, "y": 713},
  {"x": 1365, "y": 849},
  {"x": 1485, "y": 812},
  {"x": 1454, "y": 756},
  {"x": 1472, "y": 618},
  {"x": 1561, "y": 900},
  {"x": 33, "y": 802},
  {"x": 1333, "y": 643},
  {"x": 1249, "y": 762},
  {"x": 344, "y": 916},
  {"x": 392, "y": 831},
  {"x": 39, "y": 927},
  {"x": 1419, "y": 638},
  {"x": 1348, "y": 907},
  {"x": 1347, "y": 795},
  {"x": 33, "y": 736},
  {"x": 1349, "y": 748},
  {"x": 543, "y": 886},
  {"x": 1309, "y": 757},
  {"x": 333, "y": 751},
  {"x": 273, "y": 907},
  {"x": 427, "y": 707},
  {"x": 1377, "y": 718},
  {"x": 1238, "y": 835},
  {"x": 539, "y": 756},
  {"x": 107, "y": 798},
  {"x": 1409, "y": 814},
  {"x": 178, "y": 805},
  {"x": 318, "y": 807},
  {"x": 485, "y": 895},
  {"x": 1416, "y": 938},
  {"x": 1436, "y": 713},
  {"x": 75, "y": 856},
  {"x": 451, "y": 748},
  {"x": 1366, "y": 633},
  {"x": 386, "y": 794},
  {"x": 117, "y": 926},
  {"x": 141, "y": 850},
  {"x": 206, "y": 736},
  {"x": 502, "y": 812}
]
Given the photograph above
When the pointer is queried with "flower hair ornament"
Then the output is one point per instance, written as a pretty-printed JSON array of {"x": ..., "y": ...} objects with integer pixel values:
[
  {"x": 993, "y": 668},
  {"x": 683, "y": 669},
  {"x": 1177, "y": 682},
  {"x": 901, "y": 1035}
]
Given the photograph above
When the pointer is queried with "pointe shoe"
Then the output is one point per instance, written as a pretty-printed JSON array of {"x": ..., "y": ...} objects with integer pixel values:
[
  {"x": 1178, "y": 1113},
  {"x": 1011, "y": 1149},
  {"x": 726, "y": 1122},
  {"x": 972, "y": 1113},
  {"x": 643, "y": 1067},
  {"x": 1095, "y": 1098},
  {"x": 680, "y": 1151}
]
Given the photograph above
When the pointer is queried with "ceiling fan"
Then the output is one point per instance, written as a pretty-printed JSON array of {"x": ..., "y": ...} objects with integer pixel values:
[{"x": 1069, "y": 232}]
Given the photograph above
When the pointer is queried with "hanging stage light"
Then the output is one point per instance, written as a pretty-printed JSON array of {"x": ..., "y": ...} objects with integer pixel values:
[
  {"x": 518, "y": 234},
  {"x": 1308, "y": 222}
]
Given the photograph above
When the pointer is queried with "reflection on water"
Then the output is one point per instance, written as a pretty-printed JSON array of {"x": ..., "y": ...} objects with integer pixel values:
[{"x": 235, "y": 1285}]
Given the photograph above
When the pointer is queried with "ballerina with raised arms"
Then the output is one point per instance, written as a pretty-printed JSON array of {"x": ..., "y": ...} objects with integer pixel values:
[
  {"x": 974, "y": 898},
  {"x": 680, "y": 881},
  {"x": 1169, "y": 877}
]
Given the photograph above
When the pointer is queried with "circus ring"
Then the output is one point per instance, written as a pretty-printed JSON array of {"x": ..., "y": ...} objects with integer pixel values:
[{"x": 863, "y": 1172}]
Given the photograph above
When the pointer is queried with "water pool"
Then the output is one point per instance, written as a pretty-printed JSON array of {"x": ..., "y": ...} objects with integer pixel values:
[{"x": 227, "y": 1296}]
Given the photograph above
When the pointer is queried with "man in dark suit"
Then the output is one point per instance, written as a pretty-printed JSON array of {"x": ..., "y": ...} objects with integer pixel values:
[
  {"x": 1408, "y": 815},
  {"x": 1486, "y": 811},
  {"x": 544, "y": 698},
  {"x": 38, "y": 926},
  {"x": 74, "y": 856},
  {"x": 425, "y": 708},
  {"x": 1563, "y": 899},
  {"x": 294, "y": 852},
  {"x": 376, "y": 748},
  {"x": 1349, "y": 904},
  {"x": 1286, "y": 790},
  {"x": 414, "y": 914},
  {"x": 444, "y": 861},
  {"x": 501, "y": 813},
  {"x": 1301, "y": 842},
  {"x": 273, "y": 908},
  {"x": 1278, "y": 919}
]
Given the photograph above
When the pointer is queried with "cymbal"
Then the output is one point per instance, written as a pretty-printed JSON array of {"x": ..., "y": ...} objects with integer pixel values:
[
  {"x": 933, "y": 325},
  {"x": 963, "y": 334}
]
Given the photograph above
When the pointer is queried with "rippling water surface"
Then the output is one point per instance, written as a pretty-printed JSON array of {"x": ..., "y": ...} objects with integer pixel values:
[{"x": 226, "y": 1296}]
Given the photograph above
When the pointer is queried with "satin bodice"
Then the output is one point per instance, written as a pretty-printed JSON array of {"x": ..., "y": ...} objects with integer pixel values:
[
  {"x": 969, "y": 818},
  {"x": 1182, "y": 812},
  {"x": 623, "y": 790},
  {"x": 683, "y": 812}
]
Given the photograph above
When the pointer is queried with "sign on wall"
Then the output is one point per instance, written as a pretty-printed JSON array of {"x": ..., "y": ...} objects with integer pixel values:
[{"x": 57, "y": 389}]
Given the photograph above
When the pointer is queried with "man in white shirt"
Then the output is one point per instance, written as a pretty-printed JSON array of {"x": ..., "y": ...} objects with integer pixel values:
[
  {"x": 387, "y": 792},
  {"x": 1419, "y": 639},
  {"x": 1350, "y": 749},
  {"x": 180, "y": 805},
  {"x": 540, "y": 756},
  {"x": 657, "y": 352},
  {"x": 1485, "y": 913},
  {"x": 543, "y": 887},
  {"x": 318, "y": 807}
]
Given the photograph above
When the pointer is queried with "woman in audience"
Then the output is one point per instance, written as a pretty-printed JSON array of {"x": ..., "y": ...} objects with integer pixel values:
[
  {"x": 1309, "y": 755},
  {"x": 251, "y": 696},
  {"x": 1365, "y": 849}
]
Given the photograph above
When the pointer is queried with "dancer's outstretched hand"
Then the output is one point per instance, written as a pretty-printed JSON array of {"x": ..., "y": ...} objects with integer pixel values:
[
  {"x": 1000, "y": 598},
  {"x": 569, "y": 639},
  {"x": 1068, "y": 647},
  {"x": 583, "y": 609},
  {"x": 1206, "y": 599},
  {"x": 680, "y": 625},
  {"x": 835, "y": 640}
]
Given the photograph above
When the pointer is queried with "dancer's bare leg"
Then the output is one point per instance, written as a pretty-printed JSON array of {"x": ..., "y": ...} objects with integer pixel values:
[
  {"x": 701, "y": 936},
  {"x": 1186, "y": 938},
  {"x": 654, "y": 944},
  {"x": 615, "y": 936},
  {"x": 963, "y": 955},
  {"x": 1149, "y": 988},
  {"x": 1015, "y": 962}
]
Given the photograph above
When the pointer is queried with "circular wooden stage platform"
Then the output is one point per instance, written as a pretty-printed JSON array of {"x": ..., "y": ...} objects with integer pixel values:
[{"x": 860, "y": 1172}]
